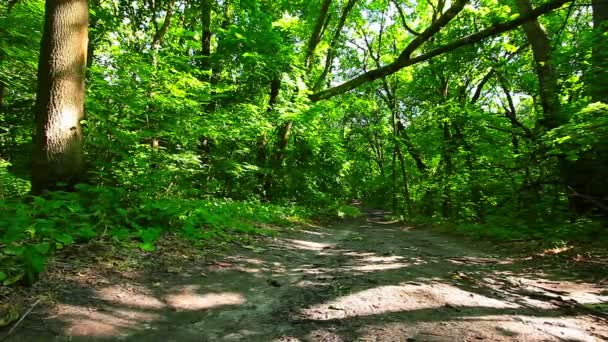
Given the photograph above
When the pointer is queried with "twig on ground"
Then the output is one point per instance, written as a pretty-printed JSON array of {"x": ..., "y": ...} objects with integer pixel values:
[{"x": 19, "y": 321}]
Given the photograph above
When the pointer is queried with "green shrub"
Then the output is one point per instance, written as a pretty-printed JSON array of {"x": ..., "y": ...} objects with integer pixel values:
[{"x": 31, "y": 232}]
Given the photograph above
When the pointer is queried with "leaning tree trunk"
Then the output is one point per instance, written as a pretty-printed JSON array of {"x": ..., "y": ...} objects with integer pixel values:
[{"x": 57, "y": 161}]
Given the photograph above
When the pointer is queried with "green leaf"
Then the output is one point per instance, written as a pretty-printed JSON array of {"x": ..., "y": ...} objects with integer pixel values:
[
  {"x": 14, "y": 279},
  {"x": 65, "y": 239},
  {"x": 147, "y": 246}
]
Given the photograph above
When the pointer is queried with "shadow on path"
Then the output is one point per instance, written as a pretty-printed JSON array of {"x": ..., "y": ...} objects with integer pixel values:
[{"x": 363, "y": 280}]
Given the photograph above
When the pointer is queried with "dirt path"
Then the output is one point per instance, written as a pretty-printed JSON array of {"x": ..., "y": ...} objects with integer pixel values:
[{"x": 366, "y": 280}]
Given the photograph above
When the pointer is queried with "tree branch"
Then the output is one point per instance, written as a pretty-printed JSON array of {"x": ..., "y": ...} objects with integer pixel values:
[
  {"x": 403, "y": 21},
  {"x": 315, "y": 38},
  {"x": 404, "y": 60},
  {"x": 334, "y": 42}
]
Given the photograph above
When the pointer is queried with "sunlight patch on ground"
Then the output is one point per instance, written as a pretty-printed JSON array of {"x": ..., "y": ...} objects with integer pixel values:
[
  {"x": 382, "y": 222},
  {"x": 371, "y": 262},
  {"x": 479, "y": 261},
  {"x": 85, "y": 321},
  {"x": 581, "y": 292},
  {"x": 188, "y": 299},
  {"x": 405, "y": 297},
  {"x": 312, "y": 232},
  {"x": 487, "y": 328},
  {"x": 309, "y": 245},
  {"x": 118, "y": 294},
  {"x": 359, "y": 254},
  {"x": 379, "y": 263},
  {"x": 545, "y": 328}
]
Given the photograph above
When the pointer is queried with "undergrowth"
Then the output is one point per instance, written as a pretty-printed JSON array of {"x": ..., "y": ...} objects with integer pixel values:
[
  {"x": 31, "y": 230},
  {"x": 501, "y": 228}
]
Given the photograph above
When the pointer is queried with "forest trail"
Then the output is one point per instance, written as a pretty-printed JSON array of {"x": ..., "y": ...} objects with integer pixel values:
[{"x": 362, "y": 280}]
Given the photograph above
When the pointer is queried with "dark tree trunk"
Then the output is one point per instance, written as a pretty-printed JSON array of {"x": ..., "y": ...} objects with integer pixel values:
[
  {"x": 329, "y": 58},
  {"x": 406, "y": 188},
  {"x": 317, "y": 32},
  {"x": 266, "y": 177},
  {"x": 599, "y": 60},
  {"x": 2, "y": 87},
  {"x": 93, "y": 36},
  {"x": 206, "y": 39},
  {"x": 547, "y": 76},
  {"x": 446, "y": 159},
  {"x": 57, "y": 160}
]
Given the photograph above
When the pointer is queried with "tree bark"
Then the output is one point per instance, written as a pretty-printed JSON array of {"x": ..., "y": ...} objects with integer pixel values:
[
  {"x": 2, "y": 86},
  {"x": 547, "y": 76},
  {"x": 329, "y": 58},
  {"x": 599, "y": 60},
  {"x": 317, "y": 33},
  {"x": 206, "y": 40},
  {"x": 406, "y": 188},
  {"x": 57, "y": 160},
  {"x": 266, "y": 178}
]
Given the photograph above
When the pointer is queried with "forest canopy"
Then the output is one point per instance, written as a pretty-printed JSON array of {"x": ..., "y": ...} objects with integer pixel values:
[{"x": 131, "y": 118}]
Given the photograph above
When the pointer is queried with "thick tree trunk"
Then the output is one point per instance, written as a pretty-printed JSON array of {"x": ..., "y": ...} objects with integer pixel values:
[
  {"x": 547, "y": 76},
  {"x": 587, "y": 185},
  {"x": 57, "y": 154},
  {"x": 599, "y": 61}
]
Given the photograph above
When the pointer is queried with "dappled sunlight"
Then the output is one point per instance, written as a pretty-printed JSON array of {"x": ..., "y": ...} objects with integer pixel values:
[
  {"x": 487, "y": 327},
  {"x": 383, "y": 222},
  {"x": 371, "y": 262},
  {"x": 188, "y": 299},
  {"x": 398, "y": 298},
  {"x": 378, "y": 267},
  {"x": 320, "y": 234},
  {"x": 97, "y": 322},
  {"x": 119, "y": 295},
  {"x": 564, "y": 328},
  {"x": 580, "y": 292},
  {"x": 309, "y": 245},
  {"x": 337, "y": 287}
]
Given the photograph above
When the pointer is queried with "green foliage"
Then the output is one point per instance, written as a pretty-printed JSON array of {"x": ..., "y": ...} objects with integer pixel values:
[
  {"x": 587, "y": 131},
  {"x": 580, "y": 231},
  {"x": 11, "y": 186},
  {"x": 30, "y": 232}
]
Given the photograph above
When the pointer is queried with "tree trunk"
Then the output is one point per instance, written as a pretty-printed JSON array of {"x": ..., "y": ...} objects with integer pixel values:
[
  {"x": 329, "y": 58},
  {"x": 2, "y": 86},
  {"x": 206, "y": 39},
  {"x": 94, "y": 35},
  {"x": 547, "y": 76},
  {"x": 265, "y": 178},
  {"x": 317, "y": 33},
  {"x": 599, "y": 60},
  {"x": 57, "y": 154},
  {"x": 446, "y": 159},
  {"x": 406, "y": 188}
]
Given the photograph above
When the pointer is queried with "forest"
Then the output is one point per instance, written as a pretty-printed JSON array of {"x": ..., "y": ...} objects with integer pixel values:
[{"x": 146, "y": 127}]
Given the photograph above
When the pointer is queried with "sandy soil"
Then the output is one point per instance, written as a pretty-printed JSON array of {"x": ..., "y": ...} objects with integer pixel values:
[{"x": 364, "y": 280}]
